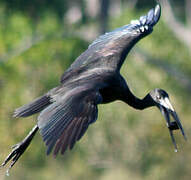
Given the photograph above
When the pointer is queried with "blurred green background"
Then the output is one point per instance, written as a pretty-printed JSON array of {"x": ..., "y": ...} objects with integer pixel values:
[{"x": 39, "y": 39}]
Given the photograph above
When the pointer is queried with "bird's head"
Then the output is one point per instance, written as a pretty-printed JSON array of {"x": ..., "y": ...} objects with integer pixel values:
[{"x": 160, "y": 98}]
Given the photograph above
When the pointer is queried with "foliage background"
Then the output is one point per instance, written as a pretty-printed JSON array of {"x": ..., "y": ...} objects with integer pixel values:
[{"x": 38, "y": 42}]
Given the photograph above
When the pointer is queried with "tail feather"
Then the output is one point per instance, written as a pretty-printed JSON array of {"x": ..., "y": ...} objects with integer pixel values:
[{"x": 34, "y": 107}]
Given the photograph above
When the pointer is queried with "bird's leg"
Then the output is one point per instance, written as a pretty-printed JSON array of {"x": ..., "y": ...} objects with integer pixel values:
[{"x": 19, "y": 148}]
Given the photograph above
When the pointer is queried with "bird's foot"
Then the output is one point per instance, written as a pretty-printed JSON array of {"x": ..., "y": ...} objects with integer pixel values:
[{"x": 17, "y": 151}]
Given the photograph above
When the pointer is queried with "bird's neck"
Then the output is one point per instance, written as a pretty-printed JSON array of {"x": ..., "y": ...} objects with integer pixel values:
[{"x": 137, "y": 103}]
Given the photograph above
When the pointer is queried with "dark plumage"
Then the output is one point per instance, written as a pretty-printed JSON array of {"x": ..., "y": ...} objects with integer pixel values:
[{"x": 94, "y": 78}]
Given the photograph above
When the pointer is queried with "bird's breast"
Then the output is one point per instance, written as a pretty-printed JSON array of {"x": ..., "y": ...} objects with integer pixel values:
[{"x": 110, "y": 94}]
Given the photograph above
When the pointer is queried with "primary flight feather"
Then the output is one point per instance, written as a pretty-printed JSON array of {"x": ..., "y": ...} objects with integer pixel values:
[{"x": 93, "y": 78}]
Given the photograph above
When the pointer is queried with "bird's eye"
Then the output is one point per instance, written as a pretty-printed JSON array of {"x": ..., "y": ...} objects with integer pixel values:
[{"x": 158, "y": 97}]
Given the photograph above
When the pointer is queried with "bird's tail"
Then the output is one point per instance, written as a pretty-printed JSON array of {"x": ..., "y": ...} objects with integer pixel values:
[{"x": 34, "y": 107}]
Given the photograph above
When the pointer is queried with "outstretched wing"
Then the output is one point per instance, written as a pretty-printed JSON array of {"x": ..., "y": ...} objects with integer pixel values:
[
  {"x": 116, "y": 44},
  {"x": 65, "y": 121}
]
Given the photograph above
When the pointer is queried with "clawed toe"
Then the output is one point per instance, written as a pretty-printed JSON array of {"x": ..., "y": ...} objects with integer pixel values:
[
  {"x": 17, "y": 151},
  {"x": 19, "y": 148}
]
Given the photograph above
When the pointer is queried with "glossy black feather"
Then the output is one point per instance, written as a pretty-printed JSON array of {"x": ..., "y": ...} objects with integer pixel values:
[
  {"x": 34, "y": 107},
  {"x": 93, "y": 78},
  {"x": 59, "y": 122},
  {"x": 110, "y": 50}
]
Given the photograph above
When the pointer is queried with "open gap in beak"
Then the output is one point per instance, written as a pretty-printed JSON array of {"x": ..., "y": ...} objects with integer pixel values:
[
  {"x": 167, "y": 110},
  {"x": 168, "y": 123}
]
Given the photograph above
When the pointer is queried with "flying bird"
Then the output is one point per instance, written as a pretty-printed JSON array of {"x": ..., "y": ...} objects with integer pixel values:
[{"x": 94, "y": 78}]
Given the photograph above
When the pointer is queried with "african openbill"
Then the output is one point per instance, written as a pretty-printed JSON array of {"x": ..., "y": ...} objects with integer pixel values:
[{"x": 94, "y": 78}]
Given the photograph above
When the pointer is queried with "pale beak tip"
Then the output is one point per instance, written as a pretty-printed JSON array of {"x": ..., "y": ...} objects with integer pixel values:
[{"x": 185, "y": 138}]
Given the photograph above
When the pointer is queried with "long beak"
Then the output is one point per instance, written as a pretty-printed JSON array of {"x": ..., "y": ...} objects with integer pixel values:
[{"x": 167, "y": 109}]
